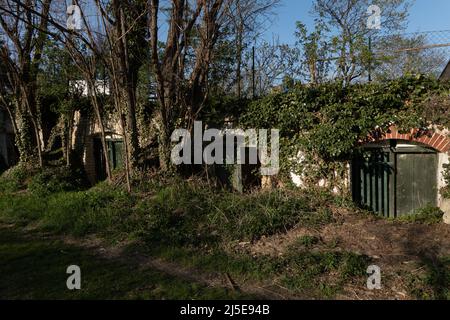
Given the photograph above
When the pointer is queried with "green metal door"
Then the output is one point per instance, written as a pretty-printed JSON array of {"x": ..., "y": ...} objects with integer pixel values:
[
  {"x": 416, "y": 182},
  {"x": 372, "y": 180},
  {"x": 395, "y": 181},
  {"x": 116, "y": 154}
]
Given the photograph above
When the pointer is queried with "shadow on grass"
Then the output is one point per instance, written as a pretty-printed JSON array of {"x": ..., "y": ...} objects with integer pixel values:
[
  {"x": 33, "y": 268},
  {"x": 437, "y": 277},
  {"x": 434, "y": 282}
]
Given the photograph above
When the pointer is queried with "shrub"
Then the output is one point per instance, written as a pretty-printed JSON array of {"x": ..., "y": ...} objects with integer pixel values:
[
  {"x": 426, "y": 215},
  {"x": 15, "y": 178},
  {"x": 59, "y": 179},
  {"x": 101, "y": 210}
]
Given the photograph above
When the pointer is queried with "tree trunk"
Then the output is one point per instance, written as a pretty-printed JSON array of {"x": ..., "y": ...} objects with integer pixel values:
[
  {"x": 165, "y": 146},
  {"x": 24, "y": 141},
  {"x": 102, "y": 128},
  {"x": 240, "y": 49}
]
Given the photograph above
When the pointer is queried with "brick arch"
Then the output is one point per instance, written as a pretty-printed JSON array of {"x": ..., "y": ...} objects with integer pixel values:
[{"x": 429, "y": 138}]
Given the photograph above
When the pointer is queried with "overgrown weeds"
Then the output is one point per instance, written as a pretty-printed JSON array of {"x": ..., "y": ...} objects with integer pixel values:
[
  {"x": 180, "y": 213},
  {"x": 192, "y": 224},
  {"x": 426, "y": 215}
]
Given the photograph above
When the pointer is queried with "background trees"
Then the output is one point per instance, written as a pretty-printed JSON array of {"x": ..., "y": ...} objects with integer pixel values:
[
  {"x": 24, "y": 34},
  {"x": 170, "y": 63},
  {"x": 348, "y": 20}
]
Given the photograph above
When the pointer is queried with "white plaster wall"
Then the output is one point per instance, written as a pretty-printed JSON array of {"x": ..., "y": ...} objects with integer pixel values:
[
  {"x": 443, "y": 158},
  {"x": 298, "y": 179}
]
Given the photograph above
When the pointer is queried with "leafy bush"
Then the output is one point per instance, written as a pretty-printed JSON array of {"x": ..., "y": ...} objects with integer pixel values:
[
  {"x": 426, "y": 215},
  {"x": 58, "y": 179},
  {"x": 326, "y": 122},
  {"x": 15, "y": 178}
]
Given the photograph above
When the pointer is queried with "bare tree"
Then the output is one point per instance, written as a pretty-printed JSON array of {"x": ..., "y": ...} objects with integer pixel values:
[
  {"x": 397, "y": 55},
  {"x": 248, "y": 19},
  {"x": 25, "y": 33},
  {"x": 182, "y": 66},
  {"x": 349, "y": 18},
  {"x": 84, "y": 47},
  {"x": 274, "y": 62},
  {"x": 124, "y": 24}
]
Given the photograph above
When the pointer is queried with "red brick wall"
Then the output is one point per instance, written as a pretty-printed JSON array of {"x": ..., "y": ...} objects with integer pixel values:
[{"x": 435, "y": 140}]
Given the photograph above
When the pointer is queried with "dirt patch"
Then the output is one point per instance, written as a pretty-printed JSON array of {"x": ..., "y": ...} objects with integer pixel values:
[{"x": 398, "y": 248}]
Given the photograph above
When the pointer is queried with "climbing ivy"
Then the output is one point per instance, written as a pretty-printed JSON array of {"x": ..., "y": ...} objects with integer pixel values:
[{"x": 326, "y": 122}]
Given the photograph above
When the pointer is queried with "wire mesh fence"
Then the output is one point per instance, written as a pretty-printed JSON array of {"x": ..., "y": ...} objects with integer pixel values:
[
  {"x": 420, "y": 52},
  {"x": 374, "y": 58}
]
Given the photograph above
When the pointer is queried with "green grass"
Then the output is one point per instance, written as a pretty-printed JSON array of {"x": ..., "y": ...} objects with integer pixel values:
[
  {"x": 434, "y": 282},
  {"x": 181, "y": 213},
  {"x": 305, "y": 273},
  {"x": 186, "y": 223},
  {"x": 427, "y": 215},
  {"x": 36, "y": 269},
  {"x": 322, "y": 274},
  {"x": 192, "y": 225},
  {"x": 308, "y": 241}
]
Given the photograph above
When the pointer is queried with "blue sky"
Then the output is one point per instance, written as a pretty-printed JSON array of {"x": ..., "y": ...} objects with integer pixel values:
[{"x": 425, "y": 15}]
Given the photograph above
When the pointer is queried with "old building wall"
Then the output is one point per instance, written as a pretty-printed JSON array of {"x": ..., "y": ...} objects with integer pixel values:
[
  {"x": 86, "y": 132},
  {"x": 8, "y": 154}
]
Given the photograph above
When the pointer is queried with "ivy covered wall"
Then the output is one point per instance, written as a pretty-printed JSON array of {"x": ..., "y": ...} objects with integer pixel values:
[{"x": 324, "y": 125}]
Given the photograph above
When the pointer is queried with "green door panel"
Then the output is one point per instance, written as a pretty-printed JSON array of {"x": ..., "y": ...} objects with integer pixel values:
[
  {"x": 395, "y": 181},
  {"x": 416, "y": 182},
  {"x": 115, "y": 154},
  {"x": 372, "y": 179}
]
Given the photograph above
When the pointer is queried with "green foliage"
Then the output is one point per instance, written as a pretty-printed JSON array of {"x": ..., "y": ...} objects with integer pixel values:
[
  {"x": 445, "y": 191},
  {"x": 58, "y": 179},
  {"x": 188, "y": 213},
  {"x": 15, "y": 178},
  {"x": 323, "y": 274},
  {"x": 426, "y": 215},
  {"x": 21, "y": 208},
  {"x": 326, "y": 122},
  {"x": 177, "y": 213}
]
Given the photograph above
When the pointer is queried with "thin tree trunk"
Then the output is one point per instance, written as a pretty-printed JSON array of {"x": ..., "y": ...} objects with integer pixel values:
[
  {"x": 102, "y": 129},
  {"x": 127, "y": 162},
  {"x": 36, "y": 127},
  {"x": 239, "y": 43},
  {"x": 165, "y": 145}
]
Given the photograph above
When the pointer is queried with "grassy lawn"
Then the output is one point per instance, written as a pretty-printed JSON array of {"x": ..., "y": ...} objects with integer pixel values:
[
  {"x": 36, "y": 269},
  {"x": 218, "y": 234}
]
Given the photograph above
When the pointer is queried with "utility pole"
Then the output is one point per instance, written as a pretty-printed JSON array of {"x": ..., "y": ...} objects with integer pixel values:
[
  {"x": 253, "y": 73},
  {"x": 370, "y": 59}
]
